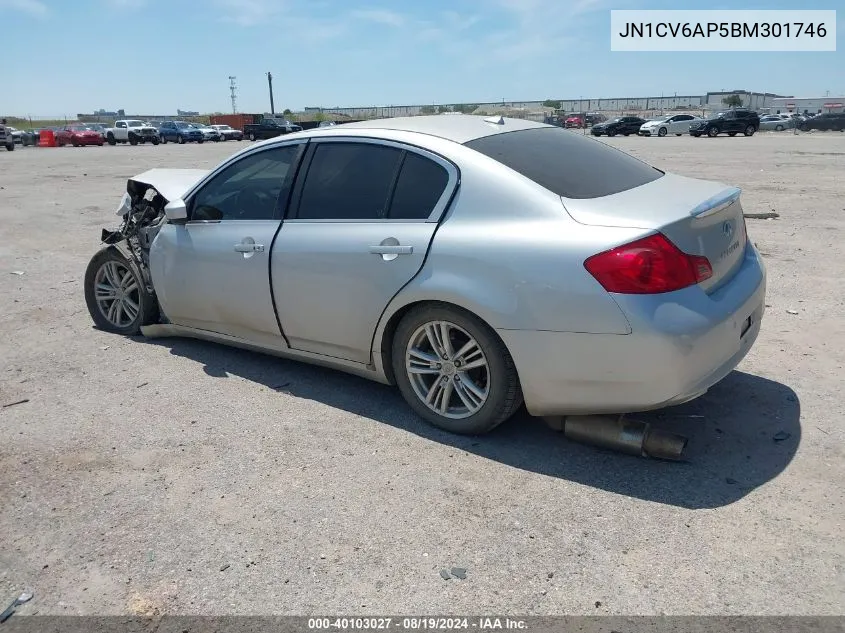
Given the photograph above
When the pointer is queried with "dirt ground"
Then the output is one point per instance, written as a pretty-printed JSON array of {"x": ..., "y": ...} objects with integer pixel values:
[{"x": 182, "y": 477}]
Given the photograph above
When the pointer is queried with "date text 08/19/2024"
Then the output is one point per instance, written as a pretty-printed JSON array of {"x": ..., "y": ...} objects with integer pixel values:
[{"x": 416, "y": 624}]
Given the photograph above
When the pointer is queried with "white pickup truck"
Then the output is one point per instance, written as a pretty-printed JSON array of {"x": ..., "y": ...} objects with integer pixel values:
[{"x": 131, "y": 131}]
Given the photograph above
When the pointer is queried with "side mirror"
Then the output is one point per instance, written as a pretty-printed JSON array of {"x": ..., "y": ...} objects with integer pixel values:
[{"x": 176, "y": 211}]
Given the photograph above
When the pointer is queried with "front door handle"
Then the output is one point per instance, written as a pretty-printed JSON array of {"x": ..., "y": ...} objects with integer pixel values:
[{"x": 391, "y": 249}]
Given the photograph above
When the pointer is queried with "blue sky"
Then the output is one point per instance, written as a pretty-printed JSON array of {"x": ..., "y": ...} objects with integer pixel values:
[{"x": 153, "y": 56}]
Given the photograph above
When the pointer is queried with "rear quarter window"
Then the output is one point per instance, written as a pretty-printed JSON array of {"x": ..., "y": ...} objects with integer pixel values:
[{"x": 566, "y": 163}]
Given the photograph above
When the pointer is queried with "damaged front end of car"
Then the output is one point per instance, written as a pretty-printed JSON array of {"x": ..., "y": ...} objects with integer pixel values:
[{"x": 119, "y": 289}]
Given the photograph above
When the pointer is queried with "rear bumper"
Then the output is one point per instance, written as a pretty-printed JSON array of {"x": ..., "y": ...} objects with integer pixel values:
[{"x": 682, "y": 343}]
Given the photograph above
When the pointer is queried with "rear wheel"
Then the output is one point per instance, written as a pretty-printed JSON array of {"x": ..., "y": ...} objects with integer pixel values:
[
  {"x": 10, "y": 147},
  {"x": 778, "y": 128},
  {"x": 749, "y": 131},
  {"x": 133, "y": 140},
  {"x": 155, "y": 140},
  {"x": 253, "y": 137},
  {"x": 110, "y": 138},
  {"x": 713, "y": 132},
  {"x": 453, "y": 370},
  {"x": 115, "y": 294}
]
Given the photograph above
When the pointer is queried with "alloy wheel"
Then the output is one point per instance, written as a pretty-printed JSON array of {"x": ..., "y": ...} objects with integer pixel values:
[
  {"x": 447, "y": 369},
  {"x": 117, "y": 294}
]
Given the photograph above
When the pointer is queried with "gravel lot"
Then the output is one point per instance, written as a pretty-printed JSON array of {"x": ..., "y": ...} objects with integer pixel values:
[{"x": 177, "y": 476}]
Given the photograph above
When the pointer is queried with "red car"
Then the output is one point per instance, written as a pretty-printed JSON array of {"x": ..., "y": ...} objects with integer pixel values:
[
  {"x": 576, "y": 120},
  {"x": 77, "y": 135}
]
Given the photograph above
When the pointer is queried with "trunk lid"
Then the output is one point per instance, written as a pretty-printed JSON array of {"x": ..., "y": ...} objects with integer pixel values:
[{"x": 700, "y": 217}]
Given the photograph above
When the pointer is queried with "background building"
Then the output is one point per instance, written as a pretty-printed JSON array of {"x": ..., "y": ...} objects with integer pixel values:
[{"x": 811, "y": 105}]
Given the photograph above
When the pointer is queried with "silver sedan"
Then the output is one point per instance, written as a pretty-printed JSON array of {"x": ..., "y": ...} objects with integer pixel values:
[{"x": 473, "y": 262}]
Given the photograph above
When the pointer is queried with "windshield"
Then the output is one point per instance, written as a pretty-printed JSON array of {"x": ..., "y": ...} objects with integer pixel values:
[
  {"x": 78, "y": 128},
  {"x": 135, "y": 123}
]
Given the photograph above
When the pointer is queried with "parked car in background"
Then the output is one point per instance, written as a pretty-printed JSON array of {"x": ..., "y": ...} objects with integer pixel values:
[
  {"x": 179, "y": 132},
  {"x": 327, "y": 124},
  {"x": 16, "y": 134},
  {"x": 834, "y": 121},
  {"x": 227, "y": 132},
  {"x": 208, "y": 132},
  {"x": 102, "y": 128},
  {"x": 78, "y": 135},
  {"x": 624, "y": 125},
  {"x": 776, "y": 122},
  {"x": 374, "y": 266},
  {"x": 677, "y": 124},
  {"x": 6, "y": 138},
  {"x": 269, "y": 128},
  {"x": 575, "y": 120},
  {"x": 730, "y": 122},
  {"x": 30, "y": 137},
  {"x": 131, "y": 131}
]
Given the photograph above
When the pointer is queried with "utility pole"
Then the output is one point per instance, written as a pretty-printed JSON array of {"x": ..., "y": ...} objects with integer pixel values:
[
  {"x": 270, "y": 85},
  {"x": 233, "y": 90}
]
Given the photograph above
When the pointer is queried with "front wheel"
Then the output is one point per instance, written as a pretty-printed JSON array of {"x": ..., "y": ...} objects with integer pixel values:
[
  {"x": 778, "y": 128},
  {"x": 749, "y": 131},
  {"x": 713, "y": 132},
  {"x": 179, "y": 139},
  {"x": 111, "y": 140},
  {"x": 10, "y": 147},
  {"x": 201, "y": 141},
  {"x": 115, "y": 294},
  {"x": 454, "y": 371},
  {"x": 133, "y": 140},
  {"x": 662, "y": 131},
  {"x": 155, "y": 140}
]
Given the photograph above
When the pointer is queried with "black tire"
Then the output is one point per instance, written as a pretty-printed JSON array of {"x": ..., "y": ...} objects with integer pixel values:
[
  {"x": 749, "y": 131},
  {"x": 662, "y": 132},
  {"x": 179, "y": 139},
  {"x": 713, "y": 132},
  {"x": 697, "y": 135},
  {"x": 10, "y": 147},
  {"x": 133, "y": 140},
  {"x": 201, "y": 141},
  {"x": 778, "y": 128},
  {"x": 504, "y": 395},
  {"x": 253, "y": 137},
  {"x": 111, "y": 140},
  {"x": 155, "y": 140},
  {"x": 147, "y": 304}
]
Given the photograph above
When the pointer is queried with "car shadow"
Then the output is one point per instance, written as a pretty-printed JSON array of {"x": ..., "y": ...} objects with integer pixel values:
[{"x": 742, "y": 434}]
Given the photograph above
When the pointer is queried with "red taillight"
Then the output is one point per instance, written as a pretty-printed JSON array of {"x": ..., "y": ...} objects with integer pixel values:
[{"x": 648, "y": 266}]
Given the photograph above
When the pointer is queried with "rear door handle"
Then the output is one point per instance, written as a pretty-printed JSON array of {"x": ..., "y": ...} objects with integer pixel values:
[
  {"x": 390, "y": 249},
  {"x": 249, "y": 248}
]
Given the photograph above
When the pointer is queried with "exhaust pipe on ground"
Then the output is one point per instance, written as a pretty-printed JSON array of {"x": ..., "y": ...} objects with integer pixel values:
[{"x": 620, "y": 434}]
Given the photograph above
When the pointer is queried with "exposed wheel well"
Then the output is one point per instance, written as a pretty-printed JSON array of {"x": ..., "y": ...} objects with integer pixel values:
[{"x": 393, "y": 323}]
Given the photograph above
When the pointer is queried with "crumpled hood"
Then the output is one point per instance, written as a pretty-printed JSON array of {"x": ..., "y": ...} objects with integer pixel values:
[{"x": 172, "y": 184}]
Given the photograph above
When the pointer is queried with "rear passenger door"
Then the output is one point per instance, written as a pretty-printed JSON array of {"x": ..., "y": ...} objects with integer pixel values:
[{"x": 360, "y": 223}]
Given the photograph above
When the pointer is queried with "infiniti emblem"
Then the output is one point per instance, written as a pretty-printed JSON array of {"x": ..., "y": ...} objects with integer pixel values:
[{"x": 728, "y": 229}]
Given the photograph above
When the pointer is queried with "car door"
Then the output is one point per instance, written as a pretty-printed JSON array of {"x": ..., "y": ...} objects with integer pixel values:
[
  {"x": 680, "y": 124},
  {"x": 211, "y": 272},
  {"x": 358, "y": 229}
]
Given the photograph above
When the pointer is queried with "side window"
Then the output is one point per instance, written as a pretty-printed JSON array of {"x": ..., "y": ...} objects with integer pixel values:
[
  {"x": 348, "y": 181},
  {"x": 121, "y": 124},
  {"x": 420, "y": 185},
  {"x": 247, "y": 189}
]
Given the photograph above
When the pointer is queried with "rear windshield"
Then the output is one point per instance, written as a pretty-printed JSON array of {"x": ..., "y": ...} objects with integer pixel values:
[{"x": 568, "y": 164}]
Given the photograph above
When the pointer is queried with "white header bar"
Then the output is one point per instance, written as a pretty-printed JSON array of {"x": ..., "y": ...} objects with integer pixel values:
[{"x": 723, "y": 30}]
